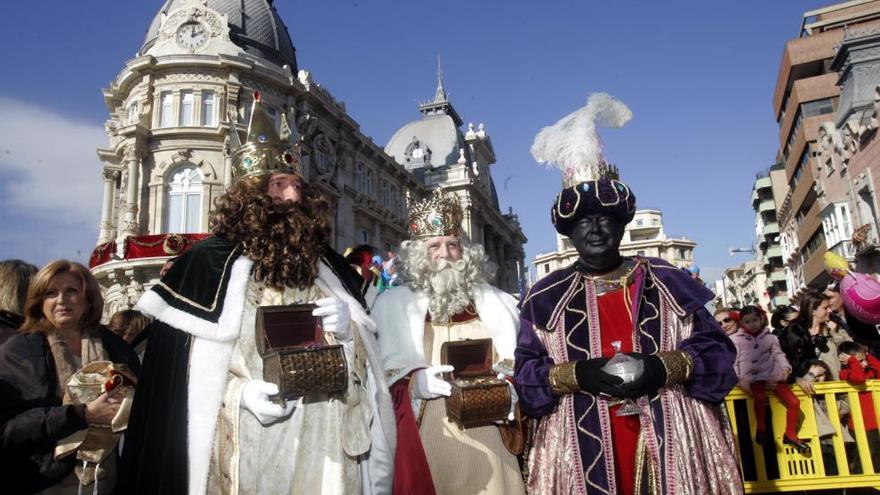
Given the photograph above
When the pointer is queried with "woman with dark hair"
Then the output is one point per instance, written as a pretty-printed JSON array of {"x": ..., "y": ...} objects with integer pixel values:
[
  {"x": 782, "y": 318},
  {"x": 805, "y": 339},
  {"x": 61, "y": 334}
]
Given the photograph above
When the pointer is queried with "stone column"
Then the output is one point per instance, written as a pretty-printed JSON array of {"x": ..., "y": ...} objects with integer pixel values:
[
  {"x": 132, "y": 161},
  {"x": 106, "y": 227},
  {"x": 227, "y": 158}
]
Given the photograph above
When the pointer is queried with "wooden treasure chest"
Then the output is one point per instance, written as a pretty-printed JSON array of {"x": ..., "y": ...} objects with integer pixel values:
[
  {"x": 478, "y": 398},
  {"x": 295, "y": 353}
]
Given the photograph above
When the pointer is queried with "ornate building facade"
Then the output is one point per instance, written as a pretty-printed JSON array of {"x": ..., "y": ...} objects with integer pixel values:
[
  {"x": 439, "y": 154},
  {"x": 643, "y": 236},
  {"x": 172, "y": 110}
]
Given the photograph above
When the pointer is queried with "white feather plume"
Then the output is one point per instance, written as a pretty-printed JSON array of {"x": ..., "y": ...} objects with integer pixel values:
[{"x": 573, "y": 144}]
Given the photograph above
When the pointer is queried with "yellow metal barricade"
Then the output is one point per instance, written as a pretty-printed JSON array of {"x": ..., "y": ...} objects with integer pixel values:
[{"x": 807, "y": 471}]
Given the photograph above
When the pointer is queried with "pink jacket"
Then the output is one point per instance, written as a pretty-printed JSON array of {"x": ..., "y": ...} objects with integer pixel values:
[{"x": 759, "y": 358}]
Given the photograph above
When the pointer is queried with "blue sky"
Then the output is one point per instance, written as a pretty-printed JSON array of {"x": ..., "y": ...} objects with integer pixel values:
[{"x": 698, "y": 76}]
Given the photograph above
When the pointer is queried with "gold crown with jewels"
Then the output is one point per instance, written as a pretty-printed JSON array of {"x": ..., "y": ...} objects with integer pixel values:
[
  {"x": 265, "y": 152},
  {"x": 438, "y": 215}
]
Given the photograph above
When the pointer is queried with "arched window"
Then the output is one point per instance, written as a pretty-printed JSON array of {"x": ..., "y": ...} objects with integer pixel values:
[{"x": 183, "y": 201}]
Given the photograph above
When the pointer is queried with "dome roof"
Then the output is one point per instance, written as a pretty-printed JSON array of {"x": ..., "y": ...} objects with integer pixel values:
[
  {"x": 254, "y": 26},
  {"x": 436, "y": 134}
]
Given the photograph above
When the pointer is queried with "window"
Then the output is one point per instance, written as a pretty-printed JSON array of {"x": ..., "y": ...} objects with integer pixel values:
[
  {"x": 368, "y": 182},
  {"x": 845, "y": 225},
  {"x": 782, "y": 113},
  {"x": 640, "y": 252},
  {"x": 132, "y": 115},
  {"x": 166, "y": 112},
  {"x": 818, "y": 107},
  {"x": 401, "y": 204},
  {"x": 184, "y": 201},
  {"x": 359, "y": 177},
  {"x": 395, "y": 200},
  {"x": 799, "y": 170},
  {"x": 813, "y": 244},
  {"x": 365, "y": 236},
  {"x": 547, "y": 268},
  {"x": 639, "y": 222},
  {"x": 792, "y": 135},
  {"x": 208, "y": 109},
  {"x": 682, "y": 254},
  {"x": 246, "y": 105},
  {"x": 186, "y": 108},
  {"x": 383, "y": 193}
]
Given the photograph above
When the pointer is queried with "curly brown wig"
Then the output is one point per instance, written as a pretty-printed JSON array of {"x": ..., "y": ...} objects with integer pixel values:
[{"x": 285, "y": 240}]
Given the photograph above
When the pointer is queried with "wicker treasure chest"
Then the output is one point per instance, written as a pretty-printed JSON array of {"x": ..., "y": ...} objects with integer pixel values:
[
  {"x": 295, "y": 353},
  {"x": 478, "y": 398}
]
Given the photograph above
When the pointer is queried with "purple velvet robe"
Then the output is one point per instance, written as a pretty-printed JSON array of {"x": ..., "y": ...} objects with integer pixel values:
[{"x": 686, "y": 433}]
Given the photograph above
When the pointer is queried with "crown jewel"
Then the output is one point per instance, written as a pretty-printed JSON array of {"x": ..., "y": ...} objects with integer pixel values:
[
  {"x": 265, "y": 152},
  {"x": 438, "y": 215}
]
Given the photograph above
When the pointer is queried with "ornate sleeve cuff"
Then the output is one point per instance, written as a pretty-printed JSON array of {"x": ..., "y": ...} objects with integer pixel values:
[
  {"x": 679, "y": 366},
  {"x": 563, "y": 379}
]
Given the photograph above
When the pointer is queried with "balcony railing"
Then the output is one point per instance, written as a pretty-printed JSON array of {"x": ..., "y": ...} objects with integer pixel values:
[
  {"x": 808, "y": 471},
  {"x": 766, "y": 205}
]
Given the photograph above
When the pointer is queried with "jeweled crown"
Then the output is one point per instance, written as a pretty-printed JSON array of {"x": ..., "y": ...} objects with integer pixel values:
[
  {"x": 438, "y": 215},
  {"x": 264, "y": 151}
]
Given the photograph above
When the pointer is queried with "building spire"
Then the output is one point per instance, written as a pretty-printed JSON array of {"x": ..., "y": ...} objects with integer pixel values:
[{"x": 440, "y": 94}]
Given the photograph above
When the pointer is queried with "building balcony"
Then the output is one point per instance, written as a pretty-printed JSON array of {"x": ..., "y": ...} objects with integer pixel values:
[
  {"x": 771, "y": 229},
  {"x": 774, "y": 252},
  {"x": 777, "y": 276},
  {"x": 844, "y": 248},
  {"x": 763, "y": 183},
  {"x": 766, "y": 205},
  {"x": 643, "y": 227},
  {"x": 781, "y": 300}
]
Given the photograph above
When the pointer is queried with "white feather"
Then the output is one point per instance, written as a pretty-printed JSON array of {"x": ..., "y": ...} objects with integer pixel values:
[{"x": 573, "y": 144}]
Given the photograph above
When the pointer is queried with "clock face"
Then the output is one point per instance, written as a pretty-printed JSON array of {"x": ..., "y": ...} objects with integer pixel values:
[{"x": 191, "y": 35}]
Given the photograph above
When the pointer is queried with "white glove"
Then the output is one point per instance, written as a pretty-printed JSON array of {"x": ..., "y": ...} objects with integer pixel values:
[
  {"x": 514, "y": 398},
  {"x": 428, "y": 386},
  {"x": 255, "y": 398},
  {"x": 336, "y": 317}
]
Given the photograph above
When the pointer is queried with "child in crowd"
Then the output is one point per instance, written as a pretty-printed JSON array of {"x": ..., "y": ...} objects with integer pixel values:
[
  {"x": 856, "y": 366},
  {"x": 818, "y": 371},
  {"x": 761, "y": 365}
]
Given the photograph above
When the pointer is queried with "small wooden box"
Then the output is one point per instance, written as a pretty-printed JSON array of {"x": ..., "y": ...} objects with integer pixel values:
[
  {"x": 478, "y": 398},
  {"x": 295, "y": 355}
]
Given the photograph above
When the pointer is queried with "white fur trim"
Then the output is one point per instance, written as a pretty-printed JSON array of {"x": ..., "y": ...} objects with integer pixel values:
[
  {"x": 153, "y": 305},
  {"x": 208, "y": 365},
  {"x": 210, "y": 353},
  {"x": 207, "y": 382}
]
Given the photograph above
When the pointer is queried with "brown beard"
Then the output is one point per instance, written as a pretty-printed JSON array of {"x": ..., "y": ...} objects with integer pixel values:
[{"x": 285, "y": 240}]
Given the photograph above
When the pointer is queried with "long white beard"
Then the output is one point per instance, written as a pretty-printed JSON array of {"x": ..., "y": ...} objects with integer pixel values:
[{"x": 449, "y": 292}]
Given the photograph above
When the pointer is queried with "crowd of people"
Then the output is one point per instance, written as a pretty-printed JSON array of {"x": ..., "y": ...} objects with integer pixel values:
[
  {"x": 264, "y": 361},
  {"x": 816, "y": 341}
]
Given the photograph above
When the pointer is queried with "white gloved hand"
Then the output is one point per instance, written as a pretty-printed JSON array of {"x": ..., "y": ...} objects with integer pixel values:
[
  {"x": 514, "y": 398},
  {"x": 336, "y": 317},
  {"x": 255, "y": 398},
  {"x": 426, "y": 384}
]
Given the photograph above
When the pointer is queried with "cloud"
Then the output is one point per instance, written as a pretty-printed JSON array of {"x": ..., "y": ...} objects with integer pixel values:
[{"x": 50, "y": 182}]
